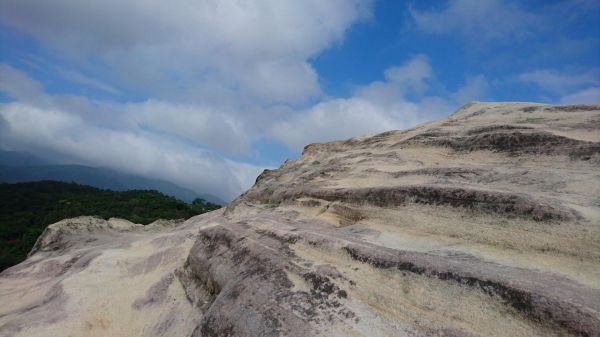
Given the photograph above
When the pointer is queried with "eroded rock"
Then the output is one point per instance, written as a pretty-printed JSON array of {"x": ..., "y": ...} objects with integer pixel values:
[{"x": 482, "y": 224}]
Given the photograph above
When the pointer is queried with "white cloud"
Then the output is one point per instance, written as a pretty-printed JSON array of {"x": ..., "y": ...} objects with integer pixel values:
[
  {"x": 235, "y": 57},
  {"x": 136, "y": 151},
  {"x": 16, "y": 84},
  {"x": 221, "y": 74},
  {"x": 255, "y": 49},
  {"x": 586, "y": 96},
  {"x": 411, "y": 75},
  {"x": 217, "y": 73},
  {"x": 475, "y": 88},
  {"x": 143, "y": 138},
  {"x": 571, "y": 86},
  {"x": 205, "y": 125},
  {"x": 79, "y": 78},
  {"x": 377, "y": 107},
  {"x": 336, "y": 119},
  {"x": 408, "y": 78},
  {"x": 561, "y": 82},
  {"x": 281, "y": 81},
  {"x": 481, "y": 20}
]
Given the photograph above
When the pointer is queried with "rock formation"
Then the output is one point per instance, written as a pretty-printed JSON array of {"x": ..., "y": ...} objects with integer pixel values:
[{"x": 483, "y": 224}]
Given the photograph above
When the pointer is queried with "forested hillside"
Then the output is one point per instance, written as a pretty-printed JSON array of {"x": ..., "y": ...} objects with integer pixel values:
[{"x": 27, "y": 208}]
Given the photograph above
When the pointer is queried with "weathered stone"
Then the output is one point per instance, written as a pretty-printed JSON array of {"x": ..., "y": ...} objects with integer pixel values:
[{"x": 483, "y": 224}]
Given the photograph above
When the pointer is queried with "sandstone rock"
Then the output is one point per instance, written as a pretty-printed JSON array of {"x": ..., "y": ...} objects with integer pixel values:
[{"x": 486, "y": 223}]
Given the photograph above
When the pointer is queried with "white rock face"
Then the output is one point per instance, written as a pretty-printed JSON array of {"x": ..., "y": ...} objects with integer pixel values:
[{"x": 483, "y": 224}]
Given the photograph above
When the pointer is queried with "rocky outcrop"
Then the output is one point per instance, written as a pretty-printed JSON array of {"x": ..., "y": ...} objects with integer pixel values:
[{"x": 486, "y": 223}]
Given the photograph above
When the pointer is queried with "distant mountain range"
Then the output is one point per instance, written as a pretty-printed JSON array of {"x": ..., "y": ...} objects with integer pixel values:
[{"x": 23, "y": 167}]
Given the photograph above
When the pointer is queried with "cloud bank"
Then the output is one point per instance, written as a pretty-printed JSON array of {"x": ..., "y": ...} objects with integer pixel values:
[
  {"x": 211, "y": 73},
  {"x": 58, "y": 126},
  {"x": 199, "y": 92}
]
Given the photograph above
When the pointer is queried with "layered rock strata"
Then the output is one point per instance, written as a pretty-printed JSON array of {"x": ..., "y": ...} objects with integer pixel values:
[{"x": 486, "y": 223}]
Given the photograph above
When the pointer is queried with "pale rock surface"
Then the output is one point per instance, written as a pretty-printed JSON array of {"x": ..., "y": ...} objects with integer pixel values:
[{"x": 483, "y": 224}]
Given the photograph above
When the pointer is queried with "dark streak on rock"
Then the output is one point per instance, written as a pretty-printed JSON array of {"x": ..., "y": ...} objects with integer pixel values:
[
  {"x": 156, "y": 294},
  {"x": 512, "y": 142},
  {"x": 489, "y": 201},
  {"x": 536, "y": 303}
]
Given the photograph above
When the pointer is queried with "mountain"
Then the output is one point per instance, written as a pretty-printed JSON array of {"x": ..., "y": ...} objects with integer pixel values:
[
  {"x": 27, "y": 208},
  {"x": 19, "y": 159},
  {"x": 482, "y": 224},
  {"x": 22, "y": 167}
]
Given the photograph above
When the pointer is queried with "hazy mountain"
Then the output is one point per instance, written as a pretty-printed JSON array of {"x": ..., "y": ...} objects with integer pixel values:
[
  {"x": 23, "y": 167},
  {"x": 16, "y": 159}
]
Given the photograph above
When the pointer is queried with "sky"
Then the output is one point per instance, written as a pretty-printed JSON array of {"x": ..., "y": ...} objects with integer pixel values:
[{"x": 208, "y": 93}]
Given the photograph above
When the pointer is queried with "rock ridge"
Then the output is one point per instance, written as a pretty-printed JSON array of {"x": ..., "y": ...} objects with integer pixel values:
[{"x": 486, "y": 223}]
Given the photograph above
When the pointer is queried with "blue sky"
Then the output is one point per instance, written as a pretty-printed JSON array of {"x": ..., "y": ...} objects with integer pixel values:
[{"x": 208, "y": 93}]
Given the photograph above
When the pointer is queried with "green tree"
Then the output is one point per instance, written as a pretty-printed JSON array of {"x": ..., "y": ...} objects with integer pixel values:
[{"x": 27, "y": 208}]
